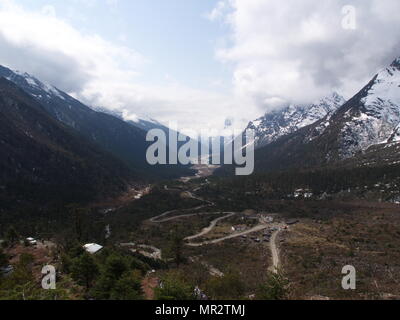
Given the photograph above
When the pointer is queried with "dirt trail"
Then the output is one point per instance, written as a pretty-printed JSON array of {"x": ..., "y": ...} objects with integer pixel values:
[
  {"x": 275, "y": 253},
  {"x": 158, "y": 219},
  {"x": 232, "y": 236},
  {"x": 211, "y": 226},
  {"x": 191, "y": 195},
  {"x": 273, "y": 245},
  {"x": 149, "y": 283},
  {"x": 183, "y": 216}
]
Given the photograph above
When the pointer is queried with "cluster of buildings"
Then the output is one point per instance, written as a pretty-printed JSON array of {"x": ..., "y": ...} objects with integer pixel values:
[{"x": 303, "y": 193}]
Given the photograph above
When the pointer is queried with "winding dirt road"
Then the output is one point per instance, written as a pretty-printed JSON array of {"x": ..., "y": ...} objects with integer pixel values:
[
  {"x": 191, "y": 195},
  {"x": 184, "y": 216},
  {"x": 273, "y": 245},
  {"x": 232, "y": 236},
  {"x": 261, "y": 226},
  {"x": 211, "y": 226}
]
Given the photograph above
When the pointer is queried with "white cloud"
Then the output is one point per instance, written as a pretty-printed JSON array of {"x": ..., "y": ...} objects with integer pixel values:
[
  {"x": 102, "y": 73},
  {"x": 49, "y": 10},
  {"x": 281, "y": 51},
  {"x": 218, "y": 11},
  {"x": 50, "y": 48},
  {"x": 297, "y": 50}
]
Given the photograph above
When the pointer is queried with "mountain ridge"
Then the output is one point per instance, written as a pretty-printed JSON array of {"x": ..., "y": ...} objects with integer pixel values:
[
  {"x": 278, "y": 123},
  {"x": 360, "y": 132},
  {"x": 44, "y": 160},
  {"x": 370, "y": 118},
  {"x": 114, "y": 135}
]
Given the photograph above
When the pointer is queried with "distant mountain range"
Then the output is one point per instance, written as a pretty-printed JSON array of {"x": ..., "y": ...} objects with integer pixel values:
[
  {"x": 51, "y": 139},
  {"x": 369, "y": 121},
  {"x": 279, "y": 123},
  {"x": 363, "y": 131}
]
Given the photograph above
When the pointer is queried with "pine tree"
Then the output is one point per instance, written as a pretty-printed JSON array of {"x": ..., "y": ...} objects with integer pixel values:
[
  {"x": 3, "y": 259},
  {"x": 275, "y": 288},
  {"x": 12, "y": 236},
  {"x": 85, "y": 270}
]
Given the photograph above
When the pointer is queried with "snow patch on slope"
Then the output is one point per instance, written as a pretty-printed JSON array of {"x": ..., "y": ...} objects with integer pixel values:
[
  {"x": 276, "y": 124},
  {"x": 378, "y": 120}
]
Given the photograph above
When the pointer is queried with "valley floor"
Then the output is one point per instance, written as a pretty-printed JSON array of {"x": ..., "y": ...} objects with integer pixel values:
[
  {"x": 182, "y": 231},
  {"x": 310, "y": 253}
]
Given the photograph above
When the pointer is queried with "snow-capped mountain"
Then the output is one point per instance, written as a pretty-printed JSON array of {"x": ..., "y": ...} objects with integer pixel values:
[
  {"x": 363, "y": 131},
  {"x": 46, "y": 93},
  {"x": 145, "y": 123},
  {"x": 39, "y": 89},
  {"x": 125, "y": 140},
  {"x": 43, "y": 92},
  {"x": 276, "y": 124},
  {"x": 114, "y": 113},
  {"x": 142, "y": 122},
  {"x": 373, "y": 116}
]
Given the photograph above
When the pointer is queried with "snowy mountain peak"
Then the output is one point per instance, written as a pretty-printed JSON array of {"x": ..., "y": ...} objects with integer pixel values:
[
  {"x": 328, "y": 104},
  {"x": 334, "y": 99},
  {"x": 276, "y": 124},
  {"x": 374, "y": 116},
  {"x": 364, "y": 131},
  {"x": 40, "y": 90},
  {"x": 396, "y": 63}
]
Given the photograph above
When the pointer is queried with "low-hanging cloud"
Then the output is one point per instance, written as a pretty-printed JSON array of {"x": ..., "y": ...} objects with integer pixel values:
[
  {"x": 102, "y": 73},
  {"x": 296, "y": 51},
  {"x": 280, "y": 52},
  {"x": 51, "y": 49}
]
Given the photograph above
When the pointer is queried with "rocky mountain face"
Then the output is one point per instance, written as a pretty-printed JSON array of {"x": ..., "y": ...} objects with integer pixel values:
[
  {"x": 366, "y": 124},
  {"x": 279, "y": 123},
  {"x": 373, "y": 117},
  {"x": 364, "y": 131}
]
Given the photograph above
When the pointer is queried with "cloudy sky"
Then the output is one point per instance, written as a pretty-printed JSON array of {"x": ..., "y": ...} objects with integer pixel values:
[{"x": 200, "y": 62}]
